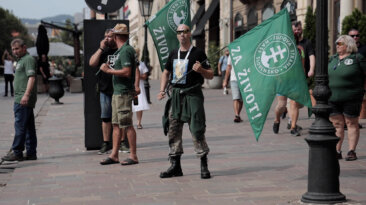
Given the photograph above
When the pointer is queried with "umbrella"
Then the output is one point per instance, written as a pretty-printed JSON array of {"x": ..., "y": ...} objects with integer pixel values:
[{"x": 56, "y": 49}]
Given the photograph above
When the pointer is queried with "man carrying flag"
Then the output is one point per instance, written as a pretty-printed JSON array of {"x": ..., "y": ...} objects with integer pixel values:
[
  {"x": 163, "y": 26},
  {"x": 266, "y": 61},
  {"x": 187, "y": 67}
]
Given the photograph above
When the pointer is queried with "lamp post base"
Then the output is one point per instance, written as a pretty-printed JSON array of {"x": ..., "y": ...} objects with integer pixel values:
[
  {"x": 323, "y": 198},
  {"x": 323, "y": 178}
]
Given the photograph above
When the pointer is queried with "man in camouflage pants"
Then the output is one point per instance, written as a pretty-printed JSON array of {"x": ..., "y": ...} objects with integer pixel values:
[{"x": 186, "y": 101}]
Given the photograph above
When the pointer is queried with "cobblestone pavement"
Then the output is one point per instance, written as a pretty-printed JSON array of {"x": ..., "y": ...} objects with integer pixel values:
[{"x": 270, "y": 171}]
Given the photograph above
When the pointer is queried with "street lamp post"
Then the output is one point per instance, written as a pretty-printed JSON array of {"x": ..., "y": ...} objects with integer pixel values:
[
  {"x": 145, "y": 9},
  {"x": 323, "y": 170}
]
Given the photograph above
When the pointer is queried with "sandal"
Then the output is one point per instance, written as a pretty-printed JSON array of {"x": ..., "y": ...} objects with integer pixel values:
[
  {"x": 129, "y": 161},
  {"x": 139, "y": 126},
  {"x": 108, "y": 161}
]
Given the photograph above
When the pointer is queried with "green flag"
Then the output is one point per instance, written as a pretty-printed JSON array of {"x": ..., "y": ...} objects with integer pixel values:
[
  {"x": 266, "y": 62},
  {"x": 163, "y": 26}
]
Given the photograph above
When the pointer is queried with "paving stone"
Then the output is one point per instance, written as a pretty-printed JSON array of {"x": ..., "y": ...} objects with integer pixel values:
[{"x": 244, "y": 171}]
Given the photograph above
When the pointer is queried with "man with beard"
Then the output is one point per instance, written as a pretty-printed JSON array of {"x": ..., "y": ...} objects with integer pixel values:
[{"x": 107, "y": 48}]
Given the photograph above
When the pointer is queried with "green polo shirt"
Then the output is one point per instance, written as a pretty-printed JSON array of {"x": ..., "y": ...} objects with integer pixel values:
[
  {"x": 346, "y": 77},
  {"x": 25, "y": 68},
  {"x": 125, "y": 57}
]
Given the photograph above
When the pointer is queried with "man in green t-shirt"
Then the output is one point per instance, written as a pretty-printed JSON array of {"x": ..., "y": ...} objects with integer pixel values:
[
  {"x": 25, "y": 87},
  {"x": 122, "y": 66}
]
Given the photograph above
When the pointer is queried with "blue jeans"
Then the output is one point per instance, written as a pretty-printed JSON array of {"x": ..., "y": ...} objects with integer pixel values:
[
  {"x": 105, "y": 106},
  {"x": 25, "y": 130}
]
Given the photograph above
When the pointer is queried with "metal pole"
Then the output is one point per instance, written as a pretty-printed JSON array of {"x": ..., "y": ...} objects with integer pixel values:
[
  {"x": 147, "y": 63},
  {"x": 323, "y": 170}
]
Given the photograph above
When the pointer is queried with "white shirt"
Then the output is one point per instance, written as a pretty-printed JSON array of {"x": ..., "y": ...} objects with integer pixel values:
[
  {"x": 232, "y": 74},
  {"x": 8, "y": 67},
  {"x": 143, "y": 69}
]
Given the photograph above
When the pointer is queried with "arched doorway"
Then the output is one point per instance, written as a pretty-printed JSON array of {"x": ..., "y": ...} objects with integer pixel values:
[
  {"x": 252, "y": 19},
  {"x": 267, "y": 12}
]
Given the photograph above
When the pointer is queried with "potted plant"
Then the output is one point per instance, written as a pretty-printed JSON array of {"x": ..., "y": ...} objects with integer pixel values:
[{"x": 213, "y": 59}]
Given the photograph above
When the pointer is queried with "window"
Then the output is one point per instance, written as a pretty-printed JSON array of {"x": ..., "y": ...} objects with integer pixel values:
[
  {"x": 268, "y": 12},
  {"x": 291, "y": 6},
  {"x": 238, "y": 20},
  {"x": 252, "y": 19},
  {"x": 238, "y": 25}
]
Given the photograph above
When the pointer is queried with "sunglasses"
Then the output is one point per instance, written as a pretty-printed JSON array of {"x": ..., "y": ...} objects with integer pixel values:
[
  {"x": 357, "y": 35},
  {"x": 183, "y": 31},
  {"x": 340, "y": 43}
]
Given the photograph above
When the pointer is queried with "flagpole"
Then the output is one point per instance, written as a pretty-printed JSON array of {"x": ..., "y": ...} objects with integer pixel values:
[{"x": 323, "y": 170}]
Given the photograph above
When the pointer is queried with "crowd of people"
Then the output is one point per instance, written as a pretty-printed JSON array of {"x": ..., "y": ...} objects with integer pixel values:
[{"x": 121, "y": 89}]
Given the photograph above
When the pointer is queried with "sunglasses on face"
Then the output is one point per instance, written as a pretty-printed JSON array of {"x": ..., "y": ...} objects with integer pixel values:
[
  {"x": 357, "y": 35},
  {"x": 183, "y": 31},
  {"x": 340, "y": 43}
]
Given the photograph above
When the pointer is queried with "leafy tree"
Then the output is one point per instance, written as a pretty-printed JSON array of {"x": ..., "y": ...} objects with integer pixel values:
[
  {"x": 356, "y": 20},
  {"x": 66, "y": 36},
  {"x": 213, "y": 56},
  {"x": 10, "y": 24},
  {"x": 310, "y": 28}
]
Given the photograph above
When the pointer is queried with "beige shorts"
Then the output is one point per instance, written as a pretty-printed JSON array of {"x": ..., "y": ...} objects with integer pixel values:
[{"x": 122, "y": 110}]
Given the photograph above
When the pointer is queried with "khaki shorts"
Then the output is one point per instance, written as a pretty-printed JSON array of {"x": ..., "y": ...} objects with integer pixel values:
[{"x": 122, "y": 110}]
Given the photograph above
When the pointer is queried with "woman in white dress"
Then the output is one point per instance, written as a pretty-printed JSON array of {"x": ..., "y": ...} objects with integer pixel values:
[{"x": 142, "y": 101}]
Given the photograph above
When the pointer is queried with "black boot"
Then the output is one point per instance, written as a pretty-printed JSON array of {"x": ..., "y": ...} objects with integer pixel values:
[
  {"x": 175, "y": 170},
  {"x": 205, "y": 174}
]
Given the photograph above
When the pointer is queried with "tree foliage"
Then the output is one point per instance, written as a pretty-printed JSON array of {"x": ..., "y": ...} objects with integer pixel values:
[
  {"x": 213, "y": 56},
  {"x": 66, "y": 36},
  {"x": 310, "y": 28},
  {"x": 10, "y": 24},
  {"x": 356, "y": 20}
]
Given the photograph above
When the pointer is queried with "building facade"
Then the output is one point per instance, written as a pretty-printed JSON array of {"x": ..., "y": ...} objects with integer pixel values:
[
  {"x": 222, "y": 21},
  {"x": 246, "y": 14}
]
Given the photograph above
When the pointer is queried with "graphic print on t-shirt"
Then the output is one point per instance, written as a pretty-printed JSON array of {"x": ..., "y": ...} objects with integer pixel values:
[
  {"x": 179, "y": 70},
  {"x": 112, "y": 59}
]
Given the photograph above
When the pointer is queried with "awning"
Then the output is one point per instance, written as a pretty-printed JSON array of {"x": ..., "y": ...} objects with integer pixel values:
[
  {"x": 201, "y": 24},
  {"x": 198, "y": 15},
  {"x": 56, "y": 49}
]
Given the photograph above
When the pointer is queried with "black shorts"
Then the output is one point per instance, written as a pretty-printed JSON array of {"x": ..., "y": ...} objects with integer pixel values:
[{"x": 349, "y": 109}]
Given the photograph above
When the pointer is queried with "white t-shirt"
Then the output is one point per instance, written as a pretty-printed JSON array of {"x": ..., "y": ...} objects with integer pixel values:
[
  {"x": 232, "y": 74},
  {"x": 143, "y": 69},
  {"x": 8, "y": 67}
]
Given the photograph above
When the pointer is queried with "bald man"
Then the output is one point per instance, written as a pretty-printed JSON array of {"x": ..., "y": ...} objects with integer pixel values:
[{"x": 187, "y": 67}]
